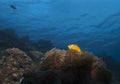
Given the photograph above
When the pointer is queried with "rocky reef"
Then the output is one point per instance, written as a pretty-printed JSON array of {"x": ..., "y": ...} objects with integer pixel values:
[
  {"x": 35, "y": 49},
  {"x": 9, "y": 38},
  {"x": 69, "y": 67},
  {"x": 56, "y": 67},
  {"x": 23, "y": 61}
]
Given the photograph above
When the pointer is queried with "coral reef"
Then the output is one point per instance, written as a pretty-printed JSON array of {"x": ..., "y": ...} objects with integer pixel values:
[
  {"x": 10, "y": 39},
  {"x": 13, "y": 64},
  {"x": 53, "y": 67},
  {"x": 56, "y": 67},
  {"x": 71, "y": 67}
]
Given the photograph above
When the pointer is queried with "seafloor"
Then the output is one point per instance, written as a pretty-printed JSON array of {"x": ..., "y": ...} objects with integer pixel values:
[{"x": 23, "y": 61}]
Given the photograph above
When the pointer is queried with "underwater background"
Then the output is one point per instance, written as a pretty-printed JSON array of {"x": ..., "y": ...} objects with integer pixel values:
[
  {"x": 94, "y": 24},
  {"x": 45, "y": 24}
]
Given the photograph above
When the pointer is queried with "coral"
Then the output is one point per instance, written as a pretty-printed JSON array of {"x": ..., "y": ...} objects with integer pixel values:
[
  {"x": 56, "y": 67},
  {"x": 14, "y": 63},
  {"x": 75, "y": 68}
]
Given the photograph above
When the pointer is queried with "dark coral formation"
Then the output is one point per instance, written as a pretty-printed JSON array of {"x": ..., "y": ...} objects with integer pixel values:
[
  {"x": 13, "y": 64},
  {"x": 41, "y": 77},
  {"x": 114, "y": 66},
  {"x": 10, "y": 39},
  {"x": 36, "y": 56},
  {"x": 43, "y": 45}
]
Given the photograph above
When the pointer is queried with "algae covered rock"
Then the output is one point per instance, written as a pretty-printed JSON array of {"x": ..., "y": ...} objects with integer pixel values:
[{"x": 14, "y": 63}]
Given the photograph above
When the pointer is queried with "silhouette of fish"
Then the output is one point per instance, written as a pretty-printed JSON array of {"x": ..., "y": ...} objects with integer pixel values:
[
  {"x": 84, "y": 15},
  {"x": 13, "y": 6}
]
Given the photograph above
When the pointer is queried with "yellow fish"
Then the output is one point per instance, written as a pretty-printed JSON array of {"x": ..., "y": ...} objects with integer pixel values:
[{"x": 74, "y": 47}]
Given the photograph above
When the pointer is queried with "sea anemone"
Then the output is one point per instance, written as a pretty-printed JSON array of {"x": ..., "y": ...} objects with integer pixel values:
[{"x": 75, "y": 68}]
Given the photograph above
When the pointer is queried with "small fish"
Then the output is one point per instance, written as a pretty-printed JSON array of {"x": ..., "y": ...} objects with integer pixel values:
[
  {"x": 74, "y": 47},
  {"x": 13, "y": 6}
]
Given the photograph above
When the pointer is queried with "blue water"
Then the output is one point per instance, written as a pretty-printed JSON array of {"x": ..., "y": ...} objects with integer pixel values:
[{"x": 92, "y": 24}]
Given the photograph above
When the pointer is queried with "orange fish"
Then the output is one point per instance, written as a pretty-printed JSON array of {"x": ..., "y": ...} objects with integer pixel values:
[{"x": 74, "y": 47}]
